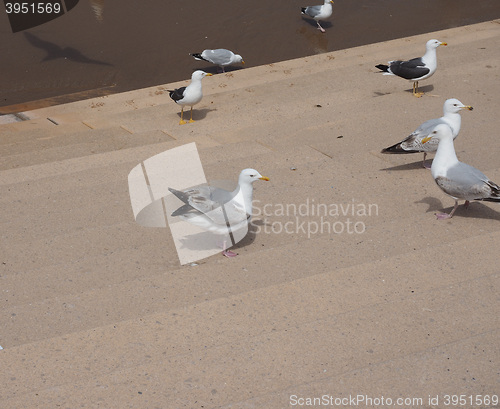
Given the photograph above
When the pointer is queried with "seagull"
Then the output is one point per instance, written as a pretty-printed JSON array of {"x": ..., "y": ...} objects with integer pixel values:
[
  {"x": 218, "y": 210},
  {"x": 413, "y": 142},
  {"x": 415, "y": 69},
  {"x": 220, "y": 57},
  {"x": 319, "y": 12},
  {"x": 189, "y": 95},
  {"x": 455, "y": 178}
]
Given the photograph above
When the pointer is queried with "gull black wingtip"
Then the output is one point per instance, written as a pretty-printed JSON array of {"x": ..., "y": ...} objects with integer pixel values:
[
  {"x": 382, "y": 67},
  {"x": 396, "y": 148}
]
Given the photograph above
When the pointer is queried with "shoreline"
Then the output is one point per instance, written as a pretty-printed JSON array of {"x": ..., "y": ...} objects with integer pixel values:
[
  {"x": 17, "y": 111},
  {"x": 111, "y": 56}
]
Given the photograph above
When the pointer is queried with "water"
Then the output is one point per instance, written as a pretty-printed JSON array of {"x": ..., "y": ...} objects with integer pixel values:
[{"x": 107, "y": 46}]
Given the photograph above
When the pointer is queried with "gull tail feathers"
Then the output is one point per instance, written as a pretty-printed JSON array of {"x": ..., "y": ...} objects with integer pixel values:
[
  {"x": 397, "y": 148},
  {"x": 183, "y": 197},
  {"x": 183, "y": 210},
  {"x": 495, "y": 192},
  {"x": 197, "y": 56}
]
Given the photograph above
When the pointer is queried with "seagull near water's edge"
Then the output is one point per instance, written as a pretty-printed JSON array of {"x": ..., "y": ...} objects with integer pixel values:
[
  {"x": 190, "y": 95},
  {"x": 413, "y": 142},
  {"x": 220, "y": 57},
  {"x": 457, "y": 179},
  {"x": 320, "y": 12},
  {"x": 415, "y": 69},
  {"x": 218, "y": 210}
]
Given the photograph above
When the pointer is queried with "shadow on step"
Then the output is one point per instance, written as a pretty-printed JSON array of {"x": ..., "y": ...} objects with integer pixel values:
[
  {"x": 476, "y": 210},
  {"x": 198, "y": 114}
]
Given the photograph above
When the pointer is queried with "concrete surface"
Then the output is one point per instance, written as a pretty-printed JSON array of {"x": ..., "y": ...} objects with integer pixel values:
[{"x": 97, "y": 312}]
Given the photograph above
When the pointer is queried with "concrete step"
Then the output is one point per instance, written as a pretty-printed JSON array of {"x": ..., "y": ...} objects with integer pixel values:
[
  {"x": 410, "y": 300},
  {"x": 59, "y": 203},
  {"x": 56, "y": 148},
  {"x": 432, "y": 366},
  {"x": 109, "y": 235}
]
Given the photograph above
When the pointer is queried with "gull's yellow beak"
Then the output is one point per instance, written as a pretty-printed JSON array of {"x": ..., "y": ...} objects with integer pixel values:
[
  {"x": 209, "y": 75},
  {"x": 444, "y": 43},
  {"x": 243, "y": 62},
  {"x": 331, "y": 1},
  {"x": 264, "y": 178},
  {"x": 426, "y": 139},
  {"x": 468, "y": 107}
]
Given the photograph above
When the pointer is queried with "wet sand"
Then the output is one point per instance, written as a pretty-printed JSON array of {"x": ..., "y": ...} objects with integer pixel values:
[{"x": 106, "y": 47}]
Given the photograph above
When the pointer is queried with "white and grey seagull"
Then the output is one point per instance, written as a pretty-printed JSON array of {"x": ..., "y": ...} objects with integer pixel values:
[
  {"x": 218, "y": 210},
  {"x": 416, "y": 69},
  {"x": 190, "y": 95},
  {"x": 220, "y": 57},
  {"x": 320, "y": 12},
  {"x": 413, "y": 142},
  {"x": 455, "y": 178}
]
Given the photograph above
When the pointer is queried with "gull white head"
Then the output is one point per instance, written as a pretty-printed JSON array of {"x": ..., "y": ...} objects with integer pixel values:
[
  {"x": 199, "y": 75},
  {"x": 440, "y": 132},
  {"x": 453, "y": 106},
  {"x": 250, "y": 176},
  {"x": 433, "y": 44},
  {"x": 238, "y": 58}
]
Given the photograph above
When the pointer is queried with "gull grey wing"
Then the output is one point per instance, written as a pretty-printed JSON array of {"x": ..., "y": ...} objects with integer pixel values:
[
  {"x": 198, "y": 198},
  {"x": 205, "y": 201},
  {"x": 312, "y": 11},
  {"x": 414, "y": 140},
  {"x": 220, "y": 56},
  {"x": 465, "y": 182},
  {"x": 413, "y": 68}
]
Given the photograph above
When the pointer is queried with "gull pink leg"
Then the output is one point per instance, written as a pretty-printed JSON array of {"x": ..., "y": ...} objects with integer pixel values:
[
  {"x": 320, "y": 28},
  {"x": 443, "y": 216},
  {"x": 227, "y": 253}
]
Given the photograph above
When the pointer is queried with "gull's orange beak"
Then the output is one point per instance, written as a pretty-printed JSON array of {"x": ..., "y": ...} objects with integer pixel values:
[{"x": 264, "y": 178}]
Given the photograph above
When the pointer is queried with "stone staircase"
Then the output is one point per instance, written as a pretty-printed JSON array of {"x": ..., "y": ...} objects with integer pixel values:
[{"x": 98, "y": 312}]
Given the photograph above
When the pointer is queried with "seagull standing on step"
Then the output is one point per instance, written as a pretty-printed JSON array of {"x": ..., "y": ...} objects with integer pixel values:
[
  {"x": 320, "y": 12},
  {"x": 455, "y": 178},
  {"x": 220, "y": 57},
  {"x": 416, "y": 69},
  {"x": 189, "y": 95},
  {"x": 413, "y": 142},
  {"x": 219, "y": 211}
]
